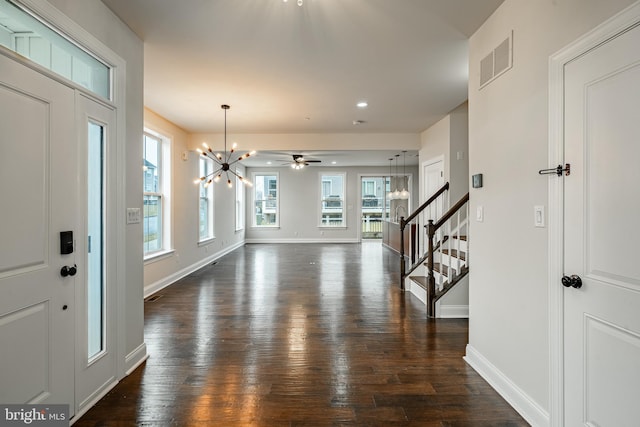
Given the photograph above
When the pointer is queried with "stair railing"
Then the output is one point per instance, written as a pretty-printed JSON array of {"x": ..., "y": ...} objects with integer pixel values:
[
  {"x": 418, "y": 238},
  {"x": 444, "y": 250},
  {"x": 445, "y": 255}
]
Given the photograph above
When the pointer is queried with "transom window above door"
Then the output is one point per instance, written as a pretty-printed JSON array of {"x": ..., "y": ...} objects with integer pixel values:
[{"x": 23, "y": 33}]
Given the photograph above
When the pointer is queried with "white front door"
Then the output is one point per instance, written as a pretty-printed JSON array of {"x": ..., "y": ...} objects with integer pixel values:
[
  {"x": 601, "y": 211},
  {"x": 38, "y": 200}
]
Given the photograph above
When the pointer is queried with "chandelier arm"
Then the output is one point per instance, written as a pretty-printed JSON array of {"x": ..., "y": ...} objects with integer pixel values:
[
  {"x": 212, "y": 173},
  {"x": 214, "y": 158},
  {"x": 242, "y": 179}
]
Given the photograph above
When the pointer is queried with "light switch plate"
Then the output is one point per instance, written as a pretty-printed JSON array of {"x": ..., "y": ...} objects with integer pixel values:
[
  {"x": 133, "y": 215},
  {"x": 479, "y": 213},
  {"x": 538, "y": 216}
]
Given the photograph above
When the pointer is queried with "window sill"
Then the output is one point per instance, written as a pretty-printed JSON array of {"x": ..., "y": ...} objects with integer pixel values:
[
  {"x": 206, "y": 242},
  {"x": 329, "y": 227},
  {"x": 265, "y": 227},
  {"x": 158, "y": 256}
]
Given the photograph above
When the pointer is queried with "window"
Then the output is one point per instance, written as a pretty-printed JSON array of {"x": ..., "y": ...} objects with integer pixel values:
[
  {"x": 266, "y": 200},
  {"x": 23, "y": 33},
  {"x": 205, "y": 207},
  {"x": 332, "y": 200},
  {"x": 239, "y": 200},
  {"x": 156, "y": 212}
]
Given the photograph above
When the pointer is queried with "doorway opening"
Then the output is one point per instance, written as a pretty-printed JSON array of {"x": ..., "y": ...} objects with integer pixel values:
[{"x": 374, "y": 205}]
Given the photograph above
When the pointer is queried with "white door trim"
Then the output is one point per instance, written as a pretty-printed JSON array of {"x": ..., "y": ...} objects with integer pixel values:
[{"x": 623, "y": 21}]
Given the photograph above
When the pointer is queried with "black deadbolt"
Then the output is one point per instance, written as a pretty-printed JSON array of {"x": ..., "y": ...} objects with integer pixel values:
[
  {"x": 68, "y": 271},
  {"x": 573, "y": 281}
]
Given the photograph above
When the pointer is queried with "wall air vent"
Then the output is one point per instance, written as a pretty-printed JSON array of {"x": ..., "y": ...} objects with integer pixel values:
[{"x": 497, "y": 62}]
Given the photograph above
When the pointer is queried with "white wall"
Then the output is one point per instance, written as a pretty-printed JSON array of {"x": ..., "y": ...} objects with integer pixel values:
[
  {"x": 188, "y": 255},
  {"x": 445, "y": 139},
  {"x": 299, "y": 204},
  {"x": 508, "y": 126},
  {"x": 98, "y": 20}
]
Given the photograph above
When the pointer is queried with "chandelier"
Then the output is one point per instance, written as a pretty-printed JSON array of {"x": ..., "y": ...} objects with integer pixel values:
[{"x": 224, "y": 161}]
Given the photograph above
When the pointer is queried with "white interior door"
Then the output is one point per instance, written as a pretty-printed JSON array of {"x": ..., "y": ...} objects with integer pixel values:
[
  {"x": 38, "y": 201},
  {"x": 602, "y": 205},
  {"x": 96, "y": 288},
  {"x": 433, "y": 181}
]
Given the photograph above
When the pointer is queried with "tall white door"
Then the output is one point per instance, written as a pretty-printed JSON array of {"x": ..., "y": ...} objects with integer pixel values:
[
  {"x": 602, "y": 207},
  {"x": 433, "y": 181},
  {"x": 38, "y": 200}
]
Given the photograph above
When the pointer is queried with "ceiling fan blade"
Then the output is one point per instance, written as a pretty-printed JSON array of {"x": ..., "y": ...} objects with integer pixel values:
[{"x": 313, "y": 161}]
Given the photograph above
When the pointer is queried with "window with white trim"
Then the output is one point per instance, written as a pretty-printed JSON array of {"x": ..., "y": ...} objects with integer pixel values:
[
  {"x": 205, "y": 203},
  {"x": 266, "y": 200},
  {"x": 156, "y": 193},
  {"x": 332, "y": 200}
]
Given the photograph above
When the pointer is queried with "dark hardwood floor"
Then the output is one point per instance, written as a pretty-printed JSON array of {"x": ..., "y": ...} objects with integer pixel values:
[{"x": 300, "y": 335}]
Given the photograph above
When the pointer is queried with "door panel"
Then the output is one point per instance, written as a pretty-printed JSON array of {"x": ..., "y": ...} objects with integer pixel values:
[
  {"x": 96, "y": 292},
  {"x": 38, "y": 193},
  {"x": 25, "y": 147},
  {"x": 602, "y": 201}
]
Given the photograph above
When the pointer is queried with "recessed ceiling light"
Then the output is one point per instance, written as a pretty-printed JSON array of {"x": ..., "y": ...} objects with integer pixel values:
[
  {"x": 358, "y": 122},
  {"x": 362, "y": 104},
  {"x": 269, "y": 162},
  {"x": 334, "y": 163}
]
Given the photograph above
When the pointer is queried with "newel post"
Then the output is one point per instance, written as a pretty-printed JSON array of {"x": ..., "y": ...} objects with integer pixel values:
[
  {"x": 431, "y": 280},
  {"x": 402, "y": 263}
]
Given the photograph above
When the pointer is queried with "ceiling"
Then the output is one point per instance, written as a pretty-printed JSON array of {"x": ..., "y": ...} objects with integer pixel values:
[{"x": 285, "y": 68}]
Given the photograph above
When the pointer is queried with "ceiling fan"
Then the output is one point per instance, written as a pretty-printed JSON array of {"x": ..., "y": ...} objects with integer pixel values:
[{"x": 299, "y": 161}]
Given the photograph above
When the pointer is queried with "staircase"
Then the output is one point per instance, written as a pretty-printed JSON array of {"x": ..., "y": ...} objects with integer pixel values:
[{"x": 440, "y": 247}]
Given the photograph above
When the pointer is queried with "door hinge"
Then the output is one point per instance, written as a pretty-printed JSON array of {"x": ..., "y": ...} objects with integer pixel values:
[{"x": 557, "y": 170}]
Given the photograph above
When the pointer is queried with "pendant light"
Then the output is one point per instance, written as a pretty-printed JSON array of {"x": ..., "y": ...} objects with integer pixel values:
[
  {"x": 390, "y": 193},
  {"x": 396, "y": 192},
  {"x": 404, "y": 194}
]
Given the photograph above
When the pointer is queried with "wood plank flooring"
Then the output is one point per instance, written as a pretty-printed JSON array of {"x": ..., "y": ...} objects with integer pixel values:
[{"x": 300, "y": 335}]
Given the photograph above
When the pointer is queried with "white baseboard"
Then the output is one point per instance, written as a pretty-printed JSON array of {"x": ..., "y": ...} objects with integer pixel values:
[
  {"x": 267, "y": 240},
  {"x": 533, "y": 413},
  {"x": 135, "y": 358},
  {"x": 172, "y": 278},
  {"x": 453, "y": 311}
]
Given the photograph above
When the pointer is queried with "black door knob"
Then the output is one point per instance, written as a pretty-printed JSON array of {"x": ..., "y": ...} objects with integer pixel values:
[
  {"x": 573, "y": 281},
  {"x": 68, "y": 271}
]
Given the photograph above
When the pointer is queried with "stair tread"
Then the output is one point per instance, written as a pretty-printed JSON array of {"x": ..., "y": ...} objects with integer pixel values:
[
  {"x": 441, "y": 268},
  {"x": 422, "y": 281},
  {"x": 455, "y": 253}
]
